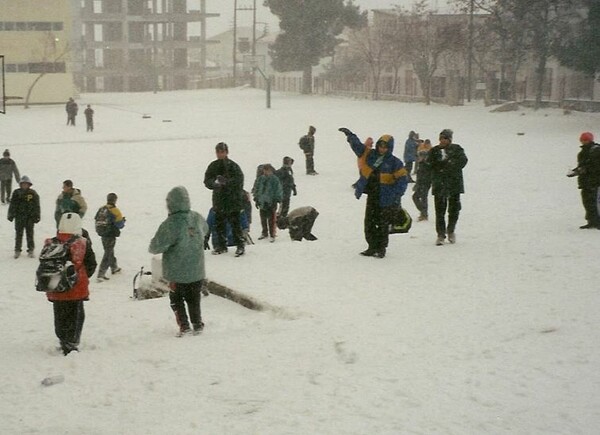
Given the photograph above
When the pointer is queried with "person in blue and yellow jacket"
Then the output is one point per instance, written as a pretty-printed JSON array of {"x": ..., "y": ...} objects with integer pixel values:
[
  {"x": 383, "y": 178},
  {"x": 109, "y": 223}
]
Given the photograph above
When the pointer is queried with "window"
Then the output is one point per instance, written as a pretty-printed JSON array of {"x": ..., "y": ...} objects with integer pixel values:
[
  {"x": 22, "y": 67},
  {"x": 11, "y": 67},
  {"x": 9, "y": 25},
  {"x": 21, "y": 26},
  {"x": 57, "y": 27}
]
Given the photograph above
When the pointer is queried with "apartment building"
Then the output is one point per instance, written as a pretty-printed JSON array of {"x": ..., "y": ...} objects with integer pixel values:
[
  {"x": 35, "y": 39},
  {"x": 141, "y": 45}
]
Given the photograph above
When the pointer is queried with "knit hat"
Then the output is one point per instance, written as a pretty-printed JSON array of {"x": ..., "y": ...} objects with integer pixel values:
[
  {"x": 111, "y": 198},
  {"x": 25, "y": 179},
  {"x": 586, "y": 137},
  {"x": 446, "y": 133},
  {"x": 288, "y": 160},
  {"x": 70, "y": 223},
  {"x": 6, "y": 153}
]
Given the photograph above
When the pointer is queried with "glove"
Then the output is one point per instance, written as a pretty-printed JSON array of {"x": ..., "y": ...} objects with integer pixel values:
[
  {"x": 571, "y": 173},
  {"x": 220, "y": 181},
  {"x": 345, "y": 131},
  {"x": 11, "y": 219},
  {"x": 294, "y": 191},
  {"x": 36, "y": 220}
]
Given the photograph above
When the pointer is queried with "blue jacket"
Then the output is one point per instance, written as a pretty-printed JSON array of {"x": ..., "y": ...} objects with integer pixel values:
[{"x": 392, "y": 179}]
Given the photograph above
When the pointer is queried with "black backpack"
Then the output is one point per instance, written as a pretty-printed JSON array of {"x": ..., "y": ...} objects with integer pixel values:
[
  {"x": 56, "y": 272},
  {"x": 104, "y": 221}
]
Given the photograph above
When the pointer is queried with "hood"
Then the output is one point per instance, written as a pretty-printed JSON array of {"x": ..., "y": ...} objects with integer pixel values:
[
  {"x": 389, "y": 139},
  {"x": 178, "y": 200}
]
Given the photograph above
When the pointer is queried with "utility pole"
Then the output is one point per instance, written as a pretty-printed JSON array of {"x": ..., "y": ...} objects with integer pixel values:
[
  {"x": 470, "y": 56},
  {"x": 234, "y": 74}
]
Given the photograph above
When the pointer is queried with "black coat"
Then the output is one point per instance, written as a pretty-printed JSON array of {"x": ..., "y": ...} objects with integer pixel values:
[
  {"x": 228, "y": 195},
  {"x": 588, "y": 166},
  {"x": 24, "y": 206},
  {"x": 446, "y": 173}
]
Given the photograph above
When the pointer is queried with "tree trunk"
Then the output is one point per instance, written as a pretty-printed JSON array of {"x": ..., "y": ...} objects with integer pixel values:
[
  {"x": 307, "y": 80},
  {"x": 540, "y": 73},
  {"x": 37, "y": 79}
]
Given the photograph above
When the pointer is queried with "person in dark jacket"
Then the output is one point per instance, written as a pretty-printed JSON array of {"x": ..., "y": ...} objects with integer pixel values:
[
  {"x": 69, "y": 313},
  {"x": 180, "y": 240},
  {"x": 588, "y": 179},
  {"x": 8, "y": 169},
  {"x": 307, "y": 145},
  {"x": 410, "y": 153},
  {"x": 71, "y": 108},
  {"x": 89, "y": 118},
  {"x": 383, "y": 178},
  {"x": 286, "y": 177},
  {"x": 116, "y": 222},
  {"x": 226, "y": 180},
  {"x": 446, "y": 161},
  {"x": 69, "y": 200},
  {"x": 423, "y": 184},
  {"x": 24, "y": 209},
  {"x": 300, "y": 222}
]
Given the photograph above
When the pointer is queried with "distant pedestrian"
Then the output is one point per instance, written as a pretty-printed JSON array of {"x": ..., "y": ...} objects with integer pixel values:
[
  {"x": 69, "y": 200},
  {"x": 588, "y": 179},
  {"x": 71, "y": 108},
  {"x": 69, "y": 313},
  {"x": 109, "y": 221},
  {"x": 383, "y": 178},
  {"x": 89, "y": 118},
  {"x": 286, "y": 177},
  {"x": 8, "y": 169},
  {"x": 226, "y": 180},
  {"x": 410, "y": 153},
  {"x": 24, "y": 209},
  {"x": 267, "y": 196},
  {"x": 299, "y": 222},
  {"x": 307, "y": 145},
  {"x": 423, "y": 184},
  {"x": 180, "y": 240},
  {"x": 447, "y": 161}
]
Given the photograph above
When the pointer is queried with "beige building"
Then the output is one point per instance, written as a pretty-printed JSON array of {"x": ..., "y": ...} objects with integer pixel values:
[{"x": 35, "y": 41}]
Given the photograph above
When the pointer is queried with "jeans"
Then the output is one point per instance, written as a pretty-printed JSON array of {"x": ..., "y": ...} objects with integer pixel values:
[
  {"x": 181, "y": 295},
  {"x": 452, "y": 205},
  {"x": 108, "y": 259}
]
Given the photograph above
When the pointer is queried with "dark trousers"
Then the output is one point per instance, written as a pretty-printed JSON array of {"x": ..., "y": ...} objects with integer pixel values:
[
  {"x": 5, "y": 189},
  {"x": 188, "y": 294},
  {"x": 268, "y": 221},
  {"x": 221, "y": 220},
  {"x": 420, "y": 197},
  {"x": 452, "y": 205},
  {"x": 285, "y": 205},
  {"x": 377, "y": 222},
  {"x": 68, "y": 323},
  {"x": 409, "y": 167},
  {"x": 71, "y": 120},
  {"x": 591, "y": 202},
  {"x": 310, "y": 163},
  {"x": 90, "y": 124},
  {"x": 302, "y": 227},
  {"x": 108, "y": 259},
  {"x": 27, "y": 226}
]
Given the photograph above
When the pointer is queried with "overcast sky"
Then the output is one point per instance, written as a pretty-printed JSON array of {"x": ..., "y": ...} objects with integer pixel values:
[{"x": 244, "y": 18}]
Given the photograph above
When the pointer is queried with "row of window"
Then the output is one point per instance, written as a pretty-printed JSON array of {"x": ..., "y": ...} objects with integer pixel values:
[
  {"x": 31, "y": 26},
  {"x": 36, "y": 67}
]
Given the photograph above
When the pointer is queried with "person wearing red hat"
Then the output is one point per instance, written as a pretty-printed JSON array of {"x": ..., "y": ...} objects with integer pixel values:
[{"x": 588, "y": 179}]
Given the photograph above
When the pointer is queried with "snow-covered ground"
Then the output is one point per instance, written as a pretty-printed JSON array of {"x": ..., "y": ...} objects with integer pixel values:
[{"x": 496, "y": 334}]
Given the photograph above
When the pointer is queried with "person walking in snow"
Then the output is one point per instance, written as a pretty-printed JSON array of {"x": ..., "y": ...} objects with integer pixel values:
[
  {"x": 226, "y": 180},
  {"x": 24, "y": 209},
  {"x": 109, "y": 223},
  {"x": 180, "y": 240},
  {"x": 299, "y": 222},
  {"x": 588, "y": 179},
  {"x": 446, "y": 161},
  {"x": 307, "y": 145},
  {"x": 383, "y": 178},
  {"x": 69, "y": 200},
  {"x": 69, "y": 313},
  {"x": 89, "y": 118},
  {"x": 71, "y": 108},
  {"x": 267, "y": 196},
  {"x": 8, "y": 169},
  {"x": 288, "y": 185},
  {"x": 410, "y": 153},
  {"x": 423, "y": 183}
]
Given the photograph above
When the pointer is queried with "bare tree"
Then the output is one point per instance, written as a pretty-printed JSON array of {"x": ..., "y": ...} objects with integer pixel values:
[{"x": 50, "y": 55}]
